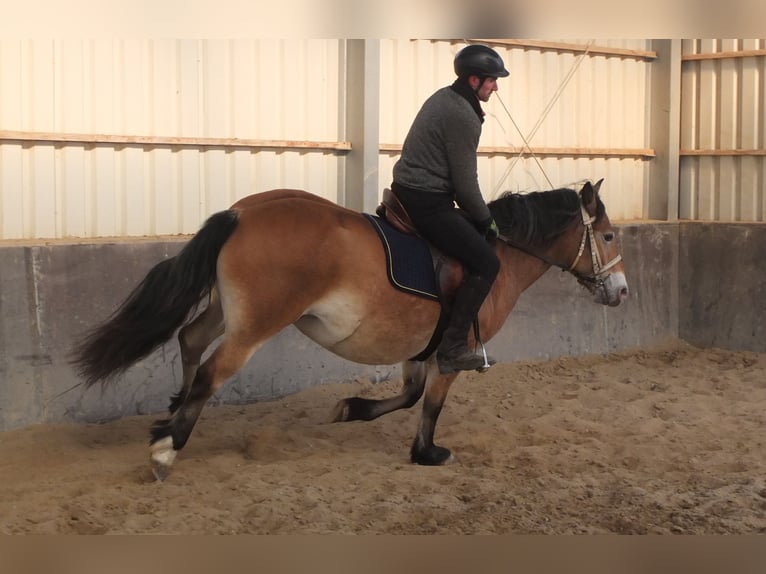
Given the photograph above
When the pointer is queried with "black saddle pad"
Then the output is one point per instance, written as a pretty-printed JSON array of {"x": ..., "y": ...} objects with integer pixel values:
[{"x": 408, "y": 260}]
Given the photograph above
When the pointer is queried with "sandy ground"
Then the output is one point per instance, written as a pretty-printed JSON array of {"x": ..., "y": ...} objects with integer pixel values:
[{"x": 662, "y": 441}]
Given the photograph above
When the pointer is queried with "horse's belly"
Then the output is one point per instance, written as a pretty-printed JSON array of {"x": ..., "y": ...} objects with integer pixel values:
[{"x": 361, "y": 331}]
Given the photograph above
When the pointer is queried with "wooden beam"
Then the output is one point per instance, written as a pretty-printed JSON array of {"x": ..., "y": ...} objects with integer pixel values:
[
  {"x": 724, "y": 152},
  {"x": 723, "y": 55},
  {"x": 570, "y": 152},
  {"x": 574, "y": 48},
  {"x": 169, "y": 141},
  {"x": 640, "y": 153}
]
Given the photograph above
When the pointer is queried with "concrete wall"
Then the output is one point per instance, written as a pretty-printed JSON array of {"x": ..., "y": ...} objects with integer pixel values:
[
  {"x": 722, "y": 287},
  {"x": 701, "y": 282}
]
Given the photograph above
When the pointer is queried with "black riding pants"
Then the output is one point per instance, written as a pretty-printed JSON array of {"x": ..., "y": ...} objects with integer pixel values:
[{"x": 437, "y": 220}]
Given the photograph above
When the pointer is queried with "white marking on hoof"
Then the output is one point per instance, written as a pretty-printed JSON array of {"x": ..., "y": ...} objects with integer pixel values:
[
  {"x": 340, "y": 412},
  {"x": 162, "y": 456}
]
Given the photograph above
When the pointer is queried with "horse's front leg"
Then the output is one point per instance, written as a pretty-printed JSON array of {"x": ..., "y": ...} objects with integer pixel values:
[
  {"x": 362, "y": 409},
  {"x": 424, "y": 451}
]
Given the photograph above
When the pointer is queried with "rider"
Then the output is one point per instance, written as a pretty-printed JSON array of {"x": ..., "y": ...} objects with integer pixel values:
[{"x": 437, "y": 169}]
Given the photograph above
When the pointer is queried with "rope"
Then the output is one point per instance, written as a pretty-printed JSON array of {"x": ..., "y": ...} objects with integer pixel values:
[
  {"x": 537, "y": 125},
  {"x": 526, "y": 145}
]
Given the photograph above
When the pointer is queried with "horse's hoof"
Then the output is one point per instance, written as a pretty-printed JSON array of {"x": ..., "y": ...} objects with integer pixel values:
[
  {"x": 431, "y": 456},
  {"x": 160, "y": 472},
  {"x": 162, "y": 456},
  {"x": 354, "y": 409},
  {"x": 340, "y": 412}
]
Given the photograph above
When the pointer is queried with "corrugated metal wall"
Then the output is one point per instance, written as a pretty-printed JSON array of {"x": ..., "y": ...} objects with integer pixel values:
[
  {"x": 251, "y": 89},
  {"x": 602, "y": 106},
  {"x": 586, "y": 115},
  {"x": 723, "y": 130}
]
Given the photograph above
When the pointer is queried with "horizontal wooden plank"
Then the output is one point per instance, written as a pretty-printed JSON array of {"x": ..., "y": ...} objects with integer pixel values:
[
  {"x": 574, "y": 48},
  {"x": 203, "y": 142},
  {"x": 169, "y": 141},
  {"x": 723, "y": 55},
  {"x": 641, "y": 153},
  {"x": 724, "y": 152},
  {"x": 571, "y": 152}
]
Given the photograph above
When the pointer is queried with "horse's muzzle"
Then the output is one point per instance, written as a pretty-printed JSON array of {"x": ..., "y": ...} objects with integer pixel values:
[{"x": 614, "y": 290}]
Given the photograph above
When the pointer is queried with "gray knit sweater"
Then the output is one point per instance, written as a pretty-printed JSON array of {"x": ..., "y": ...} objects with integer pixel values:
[{"x": 439, "y": 152}]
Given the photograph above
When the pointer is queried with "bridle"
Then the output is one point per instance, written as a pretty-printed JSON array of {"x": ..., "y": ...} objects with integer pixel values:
[{"x": 601, "y": 271}]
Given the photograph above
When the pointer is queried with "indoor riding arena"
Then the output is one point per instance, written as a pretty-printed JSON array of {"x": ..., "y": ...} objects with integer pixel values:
[{"x": 641, "y": 418}]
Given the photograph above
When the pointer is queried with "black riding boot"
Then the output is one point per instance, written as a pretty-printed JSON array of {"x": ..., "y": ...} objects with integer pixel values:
[{"x": 453, "y": 353}]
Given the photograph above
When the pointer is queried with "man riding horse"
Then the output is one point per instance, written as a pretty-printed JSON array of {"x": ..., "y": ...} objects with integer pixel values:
[
  {"x": 330, "y": 279},
  {"x": 437, "y": 169}
]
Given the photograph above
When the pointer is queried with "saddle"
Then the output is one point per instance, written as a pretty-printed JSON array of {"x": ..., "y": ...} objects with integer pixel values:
[
  {"x": 392, "y": 210},
  {"x": 448, "y": 270}
]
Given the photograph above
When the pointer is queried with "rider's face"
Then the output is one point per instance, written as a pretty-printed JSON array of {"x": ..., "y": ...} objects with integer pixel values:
[{"x": 485, "y": 90}]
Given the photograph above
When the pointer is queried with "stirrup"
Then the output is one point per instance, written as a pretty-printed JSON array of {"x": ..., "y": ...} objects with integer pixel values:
[
  {"x": 466, "y": 361},
  {"x": 488, "y": 361}
]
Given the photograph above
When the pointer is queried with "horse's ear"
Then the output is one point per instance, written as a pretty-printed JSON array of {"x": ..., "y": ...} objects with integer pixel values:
[
  {"x": 589, "y": 193},
  {"x": 598, "y": 185}
]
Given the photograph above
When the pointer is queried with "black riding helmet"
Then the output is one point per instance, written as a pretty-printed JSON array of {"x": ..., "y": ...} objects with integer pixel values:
[{"x": 479, "y": 60}]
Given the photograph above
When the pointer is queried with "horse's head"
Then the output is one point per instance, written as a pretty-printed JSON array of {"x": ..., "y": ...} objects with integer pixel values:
[{"x": 598, "y": 263}]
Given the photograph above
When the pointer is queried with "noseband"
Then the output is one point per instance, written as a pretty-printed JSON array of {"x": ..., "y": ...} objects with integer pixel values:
[{"x": 594, "y": 280}]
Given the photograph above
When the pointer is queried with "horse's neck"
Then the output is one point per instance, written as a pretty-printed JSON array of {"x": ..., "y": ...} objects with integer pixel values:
[
  {"x": 518, "y": 271},
  {"x": 521, "y": 269}
]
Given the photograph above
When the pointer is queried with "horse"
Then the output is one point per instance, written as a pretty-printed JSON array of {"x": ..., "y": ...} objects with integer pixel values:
[{"x": 288, "y": 257}]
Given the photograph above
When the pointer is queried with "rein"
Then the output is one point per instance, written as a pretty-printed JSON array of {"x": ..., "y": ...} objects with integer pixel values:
[{"x": 600, "y": 271}]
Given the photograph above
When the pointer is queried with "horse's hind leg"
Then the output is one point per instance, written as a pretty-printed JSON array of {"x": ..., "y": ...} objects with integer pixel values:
[
  {"x": 170, "y": 435},
  {"x": 424, "y": 451},
  {"x": 193, "y": 339},
  {"x": 360, "y": 409}
]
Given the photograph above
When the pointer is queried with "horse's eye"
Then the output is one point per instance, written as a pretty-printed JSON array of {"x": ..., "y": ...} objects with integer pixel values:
[{"x": 609, "y": 236}]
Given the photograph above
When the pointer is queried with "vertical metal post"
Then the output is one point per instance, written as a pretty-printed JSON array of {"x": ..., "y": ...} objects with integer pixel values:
[
  {"x": 362, "y": 124},
  {"x": 662, "y": 187}
]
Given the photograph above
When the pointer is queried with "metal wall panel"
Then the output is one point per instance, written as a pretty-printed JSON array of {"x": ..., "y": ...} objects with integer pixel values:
[
  {"x": 253, "y": 89},
  {"x": 294, "y": 90},
  {"x": 603, "y": 105},
  {"x": 723, "y": 112}
]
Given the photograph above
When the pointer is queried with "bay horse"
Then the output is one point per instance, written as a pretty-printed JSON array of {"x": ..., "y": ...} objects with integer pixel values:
[{"x": 286, "y": 257}]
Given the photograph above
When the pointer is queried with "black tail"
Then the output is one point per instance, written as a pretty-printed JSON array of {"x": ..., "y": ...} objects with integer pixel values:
[{"x": 157, "y": 306}]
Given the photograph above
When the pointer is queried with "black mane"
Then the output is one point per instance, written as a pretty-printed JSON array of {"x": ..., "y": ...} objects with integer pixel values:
[{"x": 536, "y": 219}]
